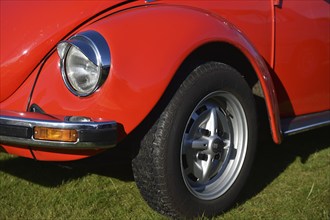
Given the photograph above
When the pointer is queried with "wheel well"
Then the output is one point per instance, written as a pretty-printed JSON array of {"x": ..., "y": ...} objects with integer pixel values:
[{"x": 224, "y": 53}]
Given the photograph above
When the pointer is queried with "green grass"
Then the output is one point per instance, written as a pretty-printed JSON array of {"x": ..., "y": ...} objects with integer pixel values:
[{"x": 289, "y": 181}]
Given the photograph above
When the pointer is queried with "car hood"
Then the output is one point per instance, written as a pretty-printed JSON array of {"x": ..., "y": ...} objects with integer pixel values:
[{"x": 30, "y": 29}]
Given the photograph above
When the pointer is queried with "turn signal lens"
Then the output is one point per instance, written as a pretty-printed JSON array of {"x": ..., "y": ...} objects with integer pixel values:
[{"x": 55, "y": 134}]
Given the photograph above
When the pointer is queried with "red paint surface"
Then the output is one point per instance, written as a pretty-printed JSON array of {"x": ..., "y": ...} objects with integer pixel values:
[
  {"x": 29, "y": 29},
  {"x": 303, "y": 56},
  {"x": 19, "y": 151}
]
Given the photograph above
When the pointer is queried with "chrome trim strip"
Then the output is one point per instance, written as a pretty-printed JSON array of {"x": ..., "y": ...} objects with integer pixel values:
[
  {"x": 291, "y": 126},
  {"x": 92, "y": 135}
]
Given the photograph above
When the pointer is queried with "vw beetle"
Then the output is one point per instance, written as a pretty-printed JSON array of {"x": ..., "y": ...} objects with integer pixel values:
[{"x": 186, "y": 79}]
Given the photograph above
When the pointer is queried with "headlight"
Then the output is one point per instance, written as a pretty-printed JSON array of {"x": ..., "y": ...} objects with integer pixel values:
[{"x": 85, "y": 62}]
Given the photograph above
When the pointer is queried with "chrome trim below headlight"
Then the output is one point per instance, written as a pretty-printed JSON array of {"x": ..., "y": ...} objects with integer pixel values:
[{"x": 92, "y": 46}]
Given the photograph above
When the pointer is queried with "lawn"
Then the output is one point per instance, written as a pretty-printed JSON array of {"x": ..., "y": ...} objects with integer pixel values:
[{"x": 289, "y": 181}]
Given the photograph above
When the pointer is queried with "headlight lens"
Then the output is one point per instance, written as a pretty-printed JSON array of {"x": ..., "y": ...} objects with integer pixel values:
[
  {"x": 85, "y": 62},
  {"x": 82, "y": 74}
]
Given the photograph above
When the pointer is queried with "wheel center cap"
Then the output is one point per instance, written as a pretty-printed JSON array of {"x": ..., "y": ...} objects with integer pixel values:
[{"x": 217, "y": 145}]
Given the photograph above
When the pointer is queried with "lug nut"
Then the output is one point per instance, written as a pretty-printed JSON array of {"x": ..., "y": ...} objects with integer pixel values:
[{"x": 201, "y": 156}]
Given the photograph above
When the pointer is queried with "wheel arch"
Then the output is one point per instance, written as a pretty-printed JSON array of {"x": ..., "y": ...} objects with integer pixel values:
[{"x": 258, "y": 79}]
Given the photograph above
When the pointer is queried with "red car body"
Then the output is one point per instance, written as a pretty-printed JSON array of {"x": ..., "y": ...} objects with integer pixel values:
[{"x": 286, "y": 44}]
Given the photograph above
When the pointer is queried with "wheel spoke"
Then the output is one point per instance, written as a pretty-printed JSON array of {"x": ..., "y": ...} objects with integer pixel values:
[
  {"x": 200, "y": 169},
  {"x": 197, "y": 170},
  {"x": 212, "y": 123},
  {"x": 206, "y": 169},
  {"x": 197, "y": 144}
]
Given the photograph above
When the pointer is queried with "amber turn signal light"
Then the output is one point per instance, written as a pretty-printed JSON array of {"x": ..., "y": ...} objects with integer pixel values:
[{"x": 55, "y": 134}]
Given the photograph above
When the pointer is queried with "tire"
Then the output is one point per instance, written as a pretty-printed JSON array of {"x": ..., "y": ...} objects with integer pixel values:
[{"x": 196, "y": 157}]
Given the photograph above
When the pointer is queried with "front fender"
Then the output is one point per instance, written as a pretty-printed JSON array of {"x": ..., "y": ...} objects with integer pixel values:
[{"x": 148, "y": 45}]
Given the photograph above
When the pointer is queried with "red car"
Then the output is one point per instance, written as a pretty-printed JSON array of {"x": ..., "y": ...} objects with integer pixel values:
[{"x": 184, "y": 81}]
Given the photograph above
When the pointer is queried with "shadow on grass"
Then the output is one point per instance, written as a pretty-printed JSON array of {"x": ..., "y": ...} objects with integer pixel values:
[
  {"x": 113, "y": 163},
  {"x": 271, "y": 161}
]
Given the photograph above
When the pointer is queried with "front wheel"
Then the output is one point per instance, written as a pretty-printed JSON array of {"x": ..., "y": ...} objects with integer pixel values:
[{"x": 196, "y": 158}]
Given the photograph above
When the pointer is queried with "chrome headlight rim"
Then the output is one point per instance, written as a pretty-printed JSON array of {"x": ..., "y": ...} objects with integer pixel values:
[{"x": 94, "y": 47}]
